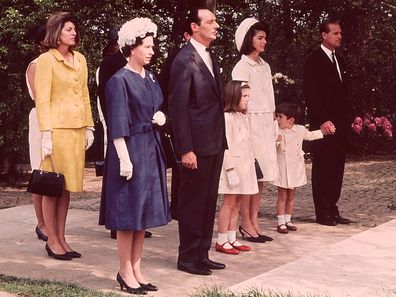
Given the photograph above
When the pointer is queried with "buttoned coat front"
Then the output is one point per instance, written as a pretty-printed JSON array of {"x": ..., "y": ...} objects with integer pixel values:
[
  {"x": 62, "y": 97},
  {"x": 238, "y": 156},
  {"x": 290, "y": 156}
]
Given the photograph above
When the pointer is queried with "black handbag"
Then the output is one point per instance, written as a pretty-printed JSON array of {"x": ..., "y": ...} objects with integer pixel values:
[
  {"x": 46, "y": 183},
  {"x": 259, "y": 173}
]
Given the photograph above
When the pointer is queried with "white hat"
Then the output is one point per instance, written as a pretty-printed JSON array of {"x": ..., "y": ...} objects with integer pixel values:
[{"x": 241, "y": 31}]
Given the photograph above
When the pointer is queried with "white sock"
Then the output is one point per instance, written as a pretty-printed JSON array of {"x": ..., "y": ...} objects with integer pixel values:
[
  {"x": 232, "y": 238},
  {"x": 222, "y": 238},
  {"x": 281, "y": 220},
  {"x": 231, "y": 235},
  {"x": 288, "y": 218}
]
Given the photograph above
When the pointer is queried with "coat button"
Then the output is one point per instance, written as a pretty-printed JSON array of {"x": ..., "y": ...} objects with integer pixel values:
[{"x": 75, "y": 92}]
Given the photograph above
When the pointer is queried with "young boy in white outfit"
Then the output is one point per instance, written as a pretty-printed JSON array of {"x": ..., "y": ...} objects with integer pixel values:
[{"x": 291, "y": 164}]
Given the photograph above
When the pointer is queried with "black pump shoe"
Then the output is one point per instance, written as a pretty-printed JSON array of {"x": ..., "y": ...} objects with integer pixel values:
[
  {"x": 265, "y": 237},
  {"x": 149, "y": 287},
  {"x": 40, "y": 234},
  {"x": 73, "y": 254},
  {"x": 246, "y": 235},
  {"x": 56, "y": 256},
  {"x": 130, "y": 290}
]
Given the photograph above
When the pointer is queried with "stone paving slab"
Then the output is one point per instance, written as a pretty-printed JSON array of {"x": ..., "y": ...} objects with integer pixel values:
[{"x": 363, "y": 265}]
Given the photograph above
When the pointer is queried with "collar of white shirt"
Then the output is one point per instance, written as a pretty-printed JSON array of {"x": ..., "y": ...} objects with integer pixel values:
[
  {"x": 252, "y": 62},
  {"x": 201, "y": 49},
  {"x": 327, "y": 51}
]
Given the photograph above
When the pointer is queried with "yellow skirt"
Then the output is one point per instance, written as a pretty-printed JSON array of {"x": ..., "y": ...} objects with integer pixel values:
[{"x": 68, "y": 156}]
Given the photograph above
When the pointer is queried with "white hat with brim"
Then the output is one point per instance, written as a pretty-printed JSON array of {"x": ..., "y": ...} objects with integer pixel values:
[{"x": 241, "y": 31}]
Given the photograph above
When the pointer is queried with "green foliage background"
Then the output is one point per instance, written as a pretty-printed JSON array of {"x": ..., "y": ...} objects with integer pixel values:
[{"x": 369, "y": 46}]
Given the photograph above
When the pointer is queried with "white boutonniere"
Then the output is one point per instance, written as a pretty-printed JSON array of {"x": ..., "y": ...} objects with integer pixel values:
[{"x": 152, "y": 77}]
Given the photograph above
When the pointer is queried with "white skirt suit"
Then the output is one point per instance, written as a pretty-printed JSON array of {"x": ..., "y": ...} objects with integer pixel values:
[
  {"x": 261, "y": 108},
  {"x": 291, "y": 156},
  {"x": 238, "y": 156},
  {"x": 34, "y": 132}
]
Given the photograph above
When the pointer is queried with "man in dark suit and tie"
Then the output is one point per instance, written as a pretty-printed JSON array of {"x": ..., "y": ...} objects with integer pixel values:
[
  {"x": 196, "y": 110},
  {"x": 325, "y": 88}
]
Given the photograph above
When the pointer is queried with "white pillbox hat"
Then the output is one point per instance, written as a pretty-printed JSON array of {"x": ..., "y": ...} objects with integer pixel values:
[{"x": 241, "y": 31}]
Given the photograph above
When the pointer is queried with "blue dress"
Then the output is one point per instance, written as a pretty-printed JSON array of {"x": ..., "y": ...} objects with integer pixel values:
[{"x": 141, "y": 202}]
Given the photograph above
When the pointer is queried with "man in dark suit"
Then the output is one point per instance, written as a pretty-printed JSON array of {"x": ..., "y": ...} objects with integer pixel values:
[
  {"x": 325, "y": 88},
  {"x": 196, "y": 110},
  {"x": 167, "y": 137}
]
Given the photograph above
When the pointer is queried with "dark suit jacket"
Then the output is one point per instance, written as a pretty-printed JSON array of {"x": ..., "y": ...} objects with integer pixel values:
[
  {"x": 108, "y": 67},
  {"x": 325, "y": 93},
  {"x": 196, "y": 104}
]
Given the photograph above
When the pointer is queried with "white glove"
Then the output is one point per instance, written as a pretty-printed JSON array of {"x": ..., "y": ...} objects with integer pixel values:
[
  {"x": 233, "y": 179},
  {"x": 46, "y": 144},
  {"x": 126, "y": 167},
  {"x": 89, "y": 137},
  {"x": 159, "y": 118}
]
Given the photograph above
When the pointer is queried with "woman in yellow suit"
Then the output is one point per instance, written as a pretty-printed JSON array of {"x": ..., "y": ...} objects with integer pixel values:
[{"x": 65, "y": 121}]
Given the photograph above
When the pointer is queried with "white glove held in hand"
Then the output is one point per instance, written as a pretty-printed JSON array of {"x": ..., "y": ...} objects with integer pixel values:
[
  {"x": 233, "y": 179},
  {"x": 159, "y": 118},
  {"x": 89, "y": 137},
  {"x": 46, "y": 144},
  {"x": 126, "y": 167}
]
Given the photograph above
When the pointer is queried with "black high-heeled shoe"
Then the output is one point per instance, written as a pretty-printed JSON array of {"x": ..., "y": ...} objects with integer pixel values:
[
  {"x": 249, "y": 237},
  {"x": 130, "y": 290},
  {"x": 56, "y": 256},
  {"x": 41, "y": 235},
  {"x": 149, "y": 287},
  {"x": 265, "y": 237},
  {"x": 73, "y": 254}
]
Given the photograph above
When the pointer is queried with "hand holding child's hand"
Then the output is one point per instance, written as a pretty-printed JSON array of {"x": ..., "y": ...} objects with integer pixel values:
[{"x": 328, "y": 128}]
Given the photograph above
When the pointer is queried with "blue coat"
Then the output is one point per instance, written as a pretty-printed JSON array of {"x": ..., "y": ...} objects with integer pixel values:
[{"x": 141, "y": 202}]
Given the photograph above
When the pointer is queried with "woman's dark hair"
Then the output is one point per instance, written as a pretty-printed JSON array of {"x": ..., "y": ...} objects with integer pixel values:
[
  {"x": 38, "y": 37},
  {"x": 290, "y": 110},
  {"x": 126, "y": 50},
  {"x": 247, "y": 44},
  {"x": 39, "y": 34},
  {"x": 55, "y": 25},
  {"x": 233, "y": 95}
]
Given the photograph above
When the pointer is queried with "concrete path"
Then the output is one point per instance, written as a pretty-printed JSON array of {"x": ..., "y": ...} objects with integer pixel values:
[
  {"x": 315, "y": 258},
  {"x": 363, "y": 265}
]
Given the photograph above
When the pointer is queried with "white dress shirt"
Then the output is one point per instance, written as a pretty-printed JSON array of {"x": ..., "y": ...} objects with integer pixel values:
[
  {"x": 203, "y": 53},
  {"x": 328, "y": 53}
]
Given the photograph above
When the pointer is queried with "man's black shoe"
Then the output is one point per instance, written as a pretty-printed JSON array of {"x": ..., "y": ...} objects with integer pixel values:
[
  {"x": 340, "y": 220},
  {"x": 327, "y": 221},
  {"x": 212, "y": 264},
  {"x": 193, "y": 268}
]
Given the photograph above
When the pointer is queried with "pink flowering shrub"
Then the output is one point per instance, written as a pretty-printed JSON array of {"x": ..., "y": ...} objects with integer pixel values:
[
  {"x": 372, "y": 135},
  {"x": 372, "y": 126}
]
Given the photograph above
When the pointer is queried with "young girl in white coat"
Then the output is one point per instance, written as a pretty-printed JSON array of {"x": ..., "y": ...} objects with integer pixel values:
[
  {"x": 290, "y": 158},
  {"x": 238, "y": 176}
]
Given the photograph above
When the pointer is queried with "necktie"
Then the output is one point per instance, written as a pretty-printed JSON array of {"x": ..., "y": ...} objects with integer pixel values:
[{"x": 335, "y": 64}]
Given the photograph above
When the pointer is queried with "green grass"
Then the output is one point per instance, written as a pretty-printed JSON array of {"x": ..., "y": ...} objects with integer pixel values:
[
  {"x": 45, "y": 288},
  {"x": 215, "y": 291}
]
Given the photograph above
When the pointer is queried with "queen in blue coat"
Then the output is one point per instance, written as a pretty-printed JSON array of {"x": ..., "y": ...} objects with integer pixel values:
[{"x": 135, "y": 171}]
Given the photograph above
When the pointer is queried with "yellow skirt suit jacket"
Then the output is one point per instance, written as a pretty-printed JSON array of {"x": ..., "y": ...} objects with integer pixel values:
[{"x": 63, "y": 107}]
